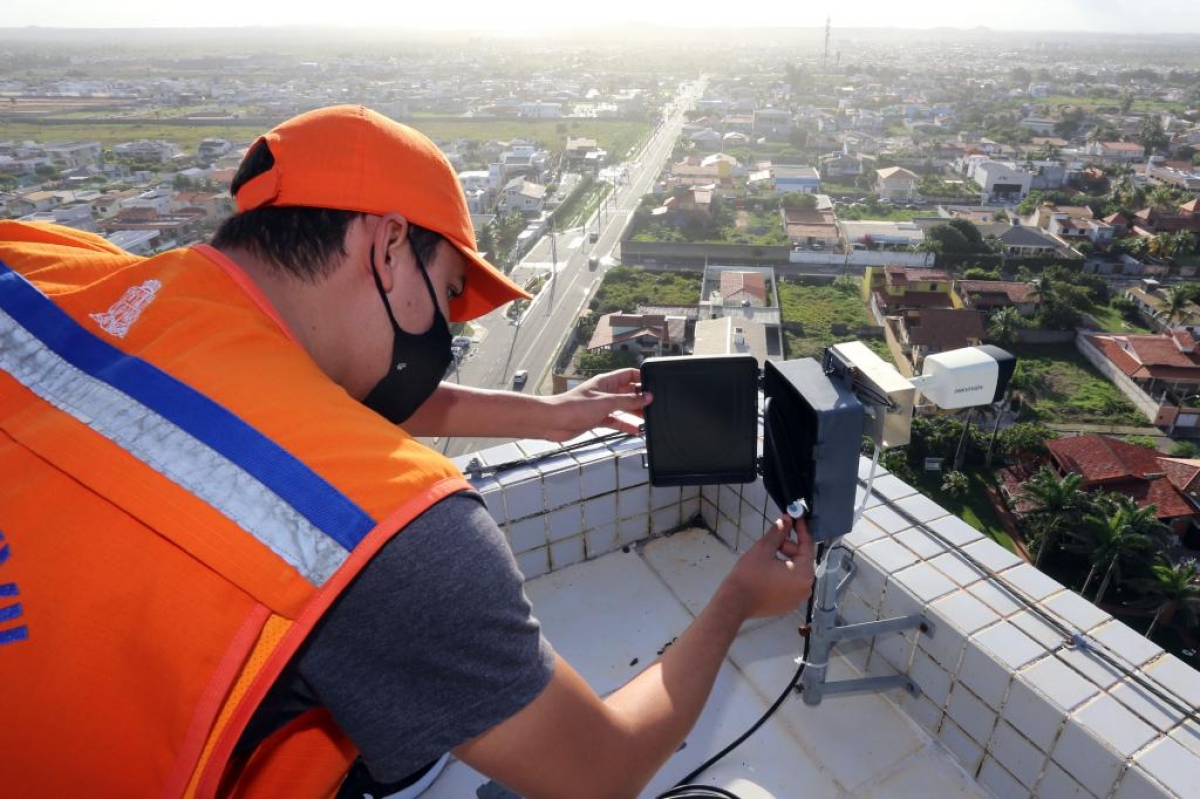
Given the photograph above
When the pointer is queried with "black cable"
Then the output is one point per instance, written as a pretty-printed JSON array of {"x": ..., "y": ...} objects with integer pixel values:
[
  {"x": 683, "y": 788},
  {"x": 566, "y": 448}
]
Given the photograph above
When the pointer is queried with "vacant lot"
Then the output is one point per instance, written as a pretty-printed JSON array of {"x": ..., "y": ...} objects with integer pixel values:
[
  {"x": 1057, "y": 384},
  {"x": 811, "y": 310}
]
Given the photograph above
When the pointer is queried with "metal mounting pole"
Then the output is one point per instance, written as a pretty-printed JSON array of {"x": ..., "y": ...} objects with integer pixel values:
[{"x": 825, "y": 631}]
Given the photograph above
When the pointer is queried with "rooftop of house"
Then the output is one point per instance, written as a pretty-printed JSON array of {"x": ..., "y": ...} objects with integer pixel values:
[
  {"x": 946, "y": 328},
  {"x": 753, "y": 284},
  {"x": 1016, "y": 292},
  {"x": 897, "y": 275},
  {"x": 1023, "y": 688},
  {"x": 1135, "y": 471},
  {"x": 1149, "y": 357}
]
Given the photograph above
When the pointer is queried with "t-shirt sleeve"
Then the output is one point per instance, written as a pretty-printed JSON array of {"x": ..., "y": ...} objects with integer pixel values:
[{"x": 432, "y": 644}]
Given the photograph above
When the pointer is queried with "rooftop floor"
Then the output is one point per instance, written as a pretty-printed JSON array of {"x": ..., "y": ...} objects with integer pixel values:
[{"x": 610, "y": 617}]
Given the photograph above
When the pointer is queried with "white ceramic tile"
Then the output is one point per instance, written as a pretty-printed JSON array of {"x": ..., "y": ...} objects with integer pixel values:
[
  {"x": 1092, "y": 666},
  {"x": 1035, "y": 626},
  {"x": 1057, "y": 784},
  {"x": 565, "y": 522},
  {"x": 631, "y": 472},
  {"x": 1188, "y": 735},
  {"x": 1013, "y": 751},
  {"x": 1148, "y": 707},
  {"x": 524, "y": 499},
  {"x": 1062, "y": 685},
  {"x": 965, "y": 750},
  {"x": 887, "y": 519},
  {"x": 692, "y": 563},
  {"x": 924, "y": 776},
  {"x": 1079, "y": 614},
  {"x": 958, "y": 569},
  {"x": 895, "y": 649},
  {"x": 766, "y": 766},
  {"x": 920, "y": 542},
  {"x": 502, "y": 453},
  {"x": 527, "y": 534},
  {"x": 533, "y": 448},
  {"x": 921, "y": 508},
  {"x": 691, "y": 512},
  {"x": 1172, "y": 765},
  {"x": 562, "y": 487},
  {"x": 923, "y": 711},
  {"x": 996, "y": 596},
  {"x": 964, "y": 612},
  {"x": 598, "y": 478},
  {"x": 898, "y": 601},
  {"x": 666, "y": 519},
  {"x": 888, "y": 555},
  {"x": 1096, "y": 742},
  {"x": 945, "y": 646},
  {"x": 1031, "y": 582},
  {"x": 1002, "y": 784},
  {"x": 934, "y": 681},
  {"x": 1136, "y": 784},
  {"x": 868, "y": 581},
  {"x": 1128, "y": 646},
  {"x": 882, "y": 736},
  {"x": 493, "y": 500},
  {"x": 514, "y": 475},
  {"x": 970, "y": 713},
  {"x": 633, "y": 529},
  {"x": 984, "y": 675},
  {"x": 601, "y": 540},
  {"x": 925, "y": 582},
  {"x": 727, "y": 530},
  {"x": 665, "y": 497},
  {"x": 600, "y": 511},
  {"x": 1177, "y": 677},
  {"x": 1114, "y": 724},
  {"x": 892, "y": 487},
  {"x": 864, "y": 532},
  {"x": 599, "y": 630},
  {"x": 1009, "y": 645},
  {"x": 1033, "y": 714},
  {"x": 566, "y": 552},
  {"x": 534, "y": 563},
  {"x": 992, "y": 555},
  {"x": 955, "y": 530},
  {"x": 633, "y": 502}
]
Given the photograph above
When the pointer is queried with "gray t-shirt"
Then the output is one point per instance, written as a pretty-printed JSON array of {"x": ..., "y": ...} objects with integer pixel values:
[{"x": 432, "y": 644}]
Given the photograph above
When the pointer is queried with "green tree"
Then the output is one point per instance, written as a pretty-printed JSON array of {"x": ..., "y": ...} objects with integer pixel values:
[
  {"x": 1057, "y": 504},
  {"x": 1184, "y": 449},
  {"x": 1178, "y": 298},
  {"x": 951, "y": 239},
  {"x": 1152, "y": 136},
  {"x": 1172, "y": 591},
  {"x": 970, "y": 233},
  {"x": 8, "y": 183},
  {"x": 1005, "y": 325},
  {"x": 1024, "y": 439},
  {"x": 799, "y": 200},
  {"x": 1119, "y": 537},
  {"x": 605, "y": 361}
]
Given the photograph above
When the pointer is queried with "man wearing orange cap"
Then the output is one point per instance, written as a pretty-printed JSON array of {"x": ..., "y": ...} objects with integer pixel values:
[{"x": 204, "y": 481}]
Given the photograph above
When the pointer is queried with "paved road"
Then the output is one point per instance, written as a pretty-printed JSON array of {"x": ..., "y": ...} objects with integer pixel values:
[{"x": 533, "y": 344}]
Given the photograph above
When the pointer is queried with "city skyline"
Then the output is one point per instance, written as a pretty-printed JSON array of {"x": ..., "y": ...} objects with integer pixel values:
[{"x": 1112, "y": 16}]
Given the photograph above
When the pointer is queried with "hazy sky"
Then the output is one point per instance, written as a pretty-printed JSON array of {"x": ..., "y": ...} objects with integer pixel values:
[{"x": 1133, "y": 16}]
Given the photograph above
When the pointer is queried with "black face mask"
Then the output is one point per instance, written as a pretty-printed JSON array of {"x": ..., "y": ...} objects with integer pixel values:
[{"x": 419, "y": 361}]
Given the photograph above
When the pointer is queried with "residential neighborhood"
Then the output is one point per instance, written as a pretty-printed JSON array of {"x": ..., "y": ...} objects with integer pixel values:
[{"x": 692, "y": 192}]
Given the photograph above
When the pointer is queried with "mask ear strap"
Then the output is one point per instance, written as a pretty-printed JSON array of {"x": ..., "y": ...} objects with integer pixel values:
[{"x": 387, "y": 306}]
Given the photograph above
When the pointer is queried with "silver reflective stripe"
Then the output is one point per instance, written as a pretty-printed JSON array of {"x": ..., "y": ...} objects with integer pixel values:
[{"x": 171, "y": 451}]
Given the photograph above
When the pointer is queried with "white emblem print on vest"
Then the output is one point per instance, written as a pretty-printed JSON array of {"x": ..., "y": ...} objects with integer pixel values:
[{"x": 117, "y": 320}]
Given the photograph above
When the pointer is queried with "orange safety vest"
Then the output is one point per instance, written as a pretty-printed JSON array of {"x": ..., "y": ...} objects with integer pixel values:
[{"x": 183, "y": 494}]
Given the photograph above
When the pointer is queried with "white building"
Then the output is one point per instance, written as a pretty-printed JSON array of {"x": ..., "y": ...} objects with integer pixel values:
[{"x": 1001, "y": 180}]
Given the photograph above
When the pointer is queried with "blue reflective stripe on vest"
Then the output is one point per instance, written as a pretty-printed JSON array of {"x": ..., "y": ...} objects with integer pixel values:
[{"x": 312, "y": 497}]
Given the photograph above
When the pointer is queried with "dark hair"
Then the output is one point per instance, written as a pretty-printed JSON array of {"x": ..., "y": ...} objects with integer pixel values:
[{"x": 300, "y": 240}]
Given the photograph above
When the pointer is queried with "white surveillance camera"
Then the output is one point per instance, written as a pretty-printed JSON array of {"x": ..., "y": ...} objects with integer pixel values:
[{"x": 966, "y": 377}]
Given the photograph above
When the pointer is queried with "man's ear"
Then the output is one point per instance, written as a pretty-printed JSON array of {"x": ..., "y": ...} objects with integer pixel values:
[{"x": 388, "y": 245}]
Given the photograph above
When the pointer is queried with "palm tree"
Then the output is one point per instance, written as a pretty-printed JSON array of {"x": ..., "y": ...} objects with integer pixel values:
[
  {"x": 1185, "y": 242},
  {"x": 1057, "y": 505},
  {"x": 1178, "y": 298},
  {"x": 1172, "y": 590},
  {"x": 1004, "y": 326},
  {"x": 1120, "y": 536},
  {"x": 929, "y": 247}
]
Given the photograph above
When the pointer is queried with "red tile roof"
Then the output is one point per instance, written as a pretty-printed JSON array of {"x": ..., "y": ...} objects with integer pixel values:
[
  {"x": 946, "y": 329},
  {"x": 1145, "y": 357},
  {"x": 752, "y": 283},
  {"x": 1016, "y": 292},
  {"x": 1137, "y": 472}
]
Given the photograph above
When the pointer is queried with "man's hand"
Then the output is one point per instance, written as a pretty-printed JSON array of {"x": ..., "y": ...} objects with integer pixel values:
[
  {"x": 598, "y": 402},
  {"x": 762, "y": 584}
]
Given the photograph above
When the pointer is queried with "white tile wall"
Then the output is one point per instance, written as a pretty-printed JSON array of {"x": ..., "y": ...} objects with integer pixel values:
[{"x": 1000, "y": 687}]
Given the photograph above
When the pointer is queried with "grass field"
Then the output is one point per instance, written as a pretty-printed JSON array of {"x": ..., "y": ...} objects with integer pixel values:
[
  {"x": 1111, "y": 321},
  {"x": 616, "y": 136},
  {"x": 1064, "y": 387},
  {"x": 817, "y": 307}
]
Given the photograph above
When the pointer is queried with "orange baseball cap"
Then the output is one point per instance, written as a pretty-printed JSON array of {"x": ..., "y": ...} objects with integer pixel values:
[{"x": 351, "y": 158}]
